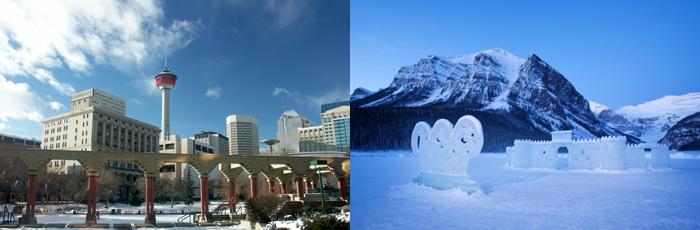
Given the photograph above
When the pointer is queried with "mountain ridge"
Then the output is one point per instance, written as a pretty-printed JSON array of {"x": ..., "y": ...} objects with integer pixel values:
[{"x": 538, "y": 100}]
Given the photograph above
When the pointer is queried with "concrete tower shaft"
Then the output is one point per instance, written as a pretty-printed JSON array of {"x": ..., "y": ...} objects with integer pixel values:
[{"x": 165, "y": 80}]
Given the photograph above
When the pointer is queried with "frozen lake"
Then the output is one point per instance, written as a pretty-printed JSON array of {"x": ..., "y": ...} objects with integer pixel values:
[{"x": 383, "y": 197}]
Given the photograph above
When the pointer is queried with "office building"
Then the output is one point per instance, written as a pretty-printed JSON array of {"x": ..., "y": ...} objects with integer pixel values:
[
  {"x": 97, "y": 122},
  {"x": 242, "y": 132},
  {"x": 287, "y": 131},
  {"x": 336, "y": 128},
  {"x": 332, "y": 135},
  {"x": 217, "y": 141}
]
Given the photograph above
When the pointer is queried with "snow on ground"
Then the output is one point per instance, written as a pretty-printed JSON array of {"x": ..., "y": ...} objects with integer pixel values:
[
  {"x": 51, "y": 209},
  {"x": 385, "y": 198},
  {"x": 59, "y": 213}
]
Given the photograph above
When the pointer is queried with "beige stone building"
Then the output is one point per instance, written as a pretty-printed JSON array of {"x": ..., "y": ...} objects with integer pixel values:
[
  {"x": 312, "y": 139},
  {"x": 97, "y": 121}
]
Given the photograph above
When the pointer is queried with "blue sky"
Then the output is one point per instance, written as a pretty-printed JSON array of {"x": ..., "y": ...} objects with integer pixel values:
[
  {"x": 614, "y": 52},
  {"x": 256, "y": 58}
]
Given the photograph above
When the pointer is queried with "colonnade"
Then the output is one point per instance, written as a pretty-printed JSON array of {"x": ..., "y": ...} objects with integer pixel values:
[{"x": 286, "y": 168}]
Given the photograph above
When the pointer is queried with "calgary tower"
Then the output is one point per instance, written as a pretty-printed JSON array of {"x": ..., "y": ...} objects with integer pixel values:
[{"x": 165, "y": 80}]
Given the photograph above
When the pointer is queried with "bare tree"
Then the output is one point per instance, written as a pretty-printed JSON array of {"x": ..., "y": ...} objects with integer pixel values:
[
  {"x": 168, "y": 189},
  {"x": 222, "y": 188}
]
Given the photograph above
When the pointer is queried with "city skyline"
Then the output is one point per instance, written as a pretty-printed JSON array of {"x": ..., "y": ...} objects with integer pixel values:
[{"x": 227, "y": 59}]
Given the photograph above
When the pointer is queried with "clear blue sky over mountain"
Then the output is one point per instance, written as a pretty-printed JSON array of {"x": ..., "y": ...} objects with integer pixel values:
[
  {"x": 614, "y": 52},
  {"x": 256, "y": 58}
]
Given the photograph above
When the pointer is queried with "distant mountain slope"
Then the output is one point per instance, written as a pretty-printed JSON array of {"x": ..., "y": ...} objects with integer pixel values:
[
  {"x": 650, "y": 120},
  {"x": 684, "y": 135},
  {"x": 597, "y": 108},
  {"x": 360, "y": 93},
  {"x": 512, "y": 96}
]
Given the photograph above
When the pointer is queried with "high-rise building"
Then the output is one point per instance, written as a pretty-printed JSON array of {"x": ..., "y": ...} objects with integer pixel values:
[
  {"x": 97, "y": 122},
  {"x": 287, "y": 131},
  {"x": 336, "y": 128},
  {"x": 329, "y": 106},
  {"x": 332, "y": 135},
  {"x": 217, "y": 141},
  {"x": 312, "y": 139},
  {"x": 242, "y": 132}
]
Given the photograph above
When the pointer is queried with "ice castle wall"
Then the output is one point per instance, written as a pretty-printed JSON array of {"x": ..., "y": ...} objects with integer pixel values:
[{"x": 610, "y": 153}]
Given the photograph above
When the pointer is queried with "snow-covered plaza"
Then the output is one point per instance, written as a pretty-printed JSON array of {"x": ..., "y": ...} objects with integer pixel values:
[{"x": 510, "y": 198}]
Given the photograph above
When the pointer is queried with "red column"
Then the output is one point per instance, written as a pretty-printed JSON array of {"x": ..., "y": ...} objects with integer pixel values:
[
  {"x": 283, "y": 187},
  {"x": 300, "y": 187},
  {"x": 91, "y": 217},
  {"x": 150, "y": 199},
  {"x": 308, "y": 184},
  {"x": 271, "y": 186},
  {"x": 253, "y": 186},
  {"x": 341, "y": 187},
  {"x": 31, "y": 195},
  {"x": 204, "y": 194},
  {"x": 232, "y": 196},
  {"x": 28, "y": 217}
]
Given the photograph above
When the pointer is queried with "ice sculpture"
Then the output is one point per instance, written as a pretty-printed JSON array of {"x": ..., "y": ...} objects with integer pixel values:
[
  {"x": 444, "y": 152},
  {"x": 609, "y": 153}
]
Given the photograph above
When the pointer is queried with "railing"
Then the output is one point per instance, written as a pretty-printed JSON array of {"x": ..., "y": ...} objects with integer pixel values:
[
  {"x": 8, "y": 217},
  {"x": 219, "y": 210},
  {"x": 186, "y": 217}
]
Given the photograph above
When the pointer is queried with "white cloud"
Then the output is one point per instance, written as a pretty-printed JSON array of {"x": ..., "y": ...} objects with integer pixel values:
[
  {"x": 277, "y": 91},
  {"x": 147, "y": 84},
  {"x": 314, "y": 101},
  {"x": 37, "y": 38},
  {"x": 213, "y": 92},
  {"x": 56, "y": 105},
  {"x": 47, "y": 77},
  {"x": 286, "y": 12},
  {"x": 283, "y": 13},
  {"x": 18, "y": 102},
  {"x": 328, "y": 97}
]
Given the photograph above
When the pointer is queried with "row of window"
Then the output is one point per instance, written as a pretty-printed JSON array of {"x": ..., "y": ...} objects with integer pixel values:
[
  {"x": 125, "y": 138},
  {"x": 55, "y": 146}
]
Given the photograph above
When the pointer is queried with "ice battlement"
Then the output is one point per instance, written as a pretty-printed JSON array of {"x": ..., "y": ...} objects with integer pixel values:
[{"x": 609, "y": 152}]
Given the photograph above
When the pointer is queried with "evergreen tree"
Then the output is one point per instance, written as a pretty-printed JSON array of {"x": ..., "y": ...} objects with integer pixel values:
[{"x": 134, "y": 197}]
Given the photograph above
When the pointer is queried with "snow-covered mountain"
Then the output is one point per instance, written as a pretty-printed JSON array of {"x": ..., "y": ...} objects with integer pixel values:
[
  {"x": 684, "y": 135},
  {"x": 657, "y": 116},
  {"x": 650, "y": 120},
  {"x": 597, "y": 108},
  {"x": 452, "y": 81},
  {"x": 360, "y": 93},
  {"x": 515, "y": 97}
]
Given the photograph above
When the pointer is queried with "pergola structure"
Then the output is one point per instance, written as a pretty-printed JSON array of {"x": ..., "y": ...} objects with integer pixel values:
[{"x": 275, "y": 168}]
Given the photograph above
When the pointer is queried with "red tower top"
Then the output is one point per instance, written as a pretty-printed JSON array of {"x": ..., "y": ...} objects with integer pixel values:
[{"x": 165, "y": 79}]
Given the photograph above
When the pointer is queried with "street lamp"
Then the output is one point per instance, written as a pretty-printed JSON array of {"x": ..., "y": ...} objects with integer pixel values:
[
  {"x": 270, "y": 143},
  {"x": 14, "y": 187},
  {"x": 317, "y": 164}
]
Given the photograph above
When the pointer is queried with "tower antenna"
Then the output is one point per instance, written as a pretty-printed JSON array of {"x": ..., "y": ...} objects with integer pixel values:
[{"x": 166, "y": 62}]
